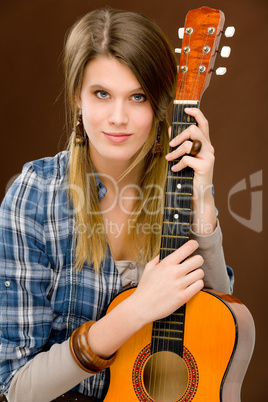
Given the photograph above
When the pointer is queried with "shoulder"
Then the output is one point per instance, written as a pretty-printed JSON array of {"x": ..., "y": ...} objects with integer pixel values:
[
  {"x": 39, "y": 177},
  {"x": 44, "y": 173},
  {"x": 49, "y": 167}
]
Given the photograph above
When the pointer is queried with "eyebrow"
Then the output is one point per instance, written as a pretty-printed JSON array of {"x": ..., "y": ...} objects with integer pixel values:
[{"x": 106, "y": 89}]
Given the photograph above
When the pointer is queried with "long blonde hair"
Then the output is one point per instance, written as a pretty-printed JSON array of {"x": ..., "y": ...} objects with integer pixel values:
[{"x": 137, "y": 42}]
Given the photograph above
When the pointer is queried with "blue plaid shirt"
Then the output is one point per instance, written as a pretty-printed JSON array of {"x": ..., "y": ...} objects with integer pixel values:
[{"x": 42, "y": 298}]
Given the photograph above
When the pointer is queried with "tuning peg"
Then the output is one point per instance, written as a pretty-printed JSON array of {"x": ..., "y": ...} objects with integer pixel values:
[
  {"x": 225, "y": 52},
  {"x": 229, "y": 32},
  {"x": 181, "y": 33},
  {"x": 221, "y": 71},
  {"x": 177, "y": 50}
]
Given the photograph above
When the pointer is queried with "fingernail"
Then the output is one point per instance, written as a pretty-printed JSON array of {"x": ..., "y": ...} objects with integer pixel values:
[
  {"x": 172, "y": 142},
  {"x": 167, "y": 156}
]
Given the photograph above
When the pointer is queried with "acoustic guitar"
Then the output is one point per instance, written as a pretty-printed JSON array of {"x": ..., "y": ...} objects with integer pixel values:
[{"x": 200, "y": 352}]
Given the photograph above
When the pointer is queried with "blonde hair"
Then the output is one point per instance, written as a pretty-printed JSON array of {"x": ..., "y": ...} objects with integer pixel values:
[{"x": 137, "y": 42}]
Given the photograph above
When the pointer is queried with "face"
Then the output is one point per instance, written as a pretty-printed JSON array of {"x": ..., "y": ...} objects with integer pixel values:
[{"x": 116, "y": 114}]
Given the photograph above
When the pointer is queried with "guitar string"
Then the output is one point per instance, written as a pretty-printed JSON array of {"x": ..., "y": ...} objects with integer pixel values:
[
  {"x": 181, "y": 118},
  {"x": 173, "y": 240},
  {"x": 170, "y": 242},
  {"x": 173, "y": 189},
  {"x": 156, "y": 333}
]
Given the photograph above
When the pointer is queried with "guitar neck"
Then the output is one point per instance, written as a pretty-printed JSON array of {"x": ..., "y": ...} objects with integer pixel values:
[
  {"x": 179, "y": 190},
  {"x": 202, "y": 32},
  {"x": 168, "y": 332}
]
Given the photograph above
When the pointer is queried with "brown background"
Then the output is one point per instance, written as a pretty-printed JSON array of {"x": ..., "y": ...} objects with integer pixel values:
[{"x": 32, "y": 120}]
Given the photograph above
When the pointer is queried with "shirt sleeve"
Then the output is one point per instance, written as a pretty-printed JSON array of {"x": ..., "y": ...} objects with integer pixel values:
[
  {"x": 55, "y": 367},
  {"x": 25, "y": 276},
  {"x": 218, "y": 275}
]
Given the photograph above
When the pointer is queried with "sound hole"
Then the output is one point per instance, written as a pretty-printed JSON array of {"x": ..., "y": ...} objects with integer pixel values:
[{"x": 165, "y": 377}]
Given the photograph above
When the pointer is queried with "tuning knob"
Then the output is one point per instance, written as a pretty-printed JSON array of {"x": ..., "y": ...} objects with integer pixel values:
[
  {"x": 221, "y": 70},
  {"x": 229, "y": 32},
  {"x": 177, "y": 50},
  {"x": 181, "y": 33},
  {"x": 225, "y": 52}
]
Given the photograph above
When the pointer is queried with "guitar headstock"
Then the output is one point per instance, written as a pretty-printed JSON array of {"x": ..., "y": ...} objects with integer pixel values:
[{"x": 202, "y": 33}]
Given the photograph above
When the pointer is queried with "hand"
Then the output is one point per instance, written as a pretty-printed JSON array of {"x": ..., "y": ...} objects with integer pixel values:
[
  {"x": 167, "y": 285},
  {"x": 204, "y": 218},
  {"x": 203, "y": 163}
]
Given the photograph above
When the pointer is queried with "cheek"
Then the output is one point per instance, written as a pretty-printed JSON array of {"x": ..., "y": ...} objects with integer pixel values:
[
  {"x": 144, "y": 117},
  {"x": 92, "y": 120},
  {"x": 145, "y": 121}
]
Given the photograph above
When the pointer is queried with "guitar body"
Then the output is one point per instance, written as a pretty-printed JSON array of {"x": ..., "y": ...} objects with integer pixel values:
[{"x": 218, "y": 344}]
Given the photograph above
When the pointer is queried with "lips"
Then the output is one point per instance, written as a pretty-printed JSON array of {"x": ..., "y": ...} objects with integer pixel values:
[{"x": 117, "y": 137}]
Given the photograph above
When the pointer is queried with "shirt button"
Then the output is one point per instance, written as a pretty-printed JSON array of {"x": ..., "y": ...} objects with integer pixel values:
[
  {"x": 133, "y": 283},
  {"x": 132, "y": 265},
  {"x": 3, "y": 387},
  {"x": 7, "y": 284}
]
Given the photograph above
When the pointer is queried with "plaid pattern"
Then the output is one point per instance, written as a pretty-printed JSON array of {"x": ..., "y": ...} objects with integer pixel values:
[{"x": 42, "y": 298}]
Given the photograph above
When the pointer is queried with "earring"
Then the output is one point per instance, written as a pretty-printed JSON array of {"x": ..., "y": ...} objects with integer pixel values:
[
  {"x": 80, "y": 134},
  {"x": 157, "y": 148}
]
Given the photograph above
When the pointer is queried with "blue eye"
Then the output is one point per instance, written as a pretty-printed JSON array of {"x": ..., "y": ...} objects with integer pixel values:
[
  {"x": 139, "y": 98},
  {"x": 102, "y": 94}
]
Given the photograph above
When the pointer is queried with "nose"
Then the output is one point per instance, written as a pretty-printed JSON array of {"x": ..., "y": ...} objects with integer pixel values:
[{"x": 118, "y": 113}]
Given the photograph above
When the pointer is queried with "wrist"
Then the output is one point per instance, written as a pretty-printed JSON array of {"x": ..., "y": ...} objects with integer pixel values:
[
  {"x": 82, "y": 353},
  {"x": 108, "y": 334}
]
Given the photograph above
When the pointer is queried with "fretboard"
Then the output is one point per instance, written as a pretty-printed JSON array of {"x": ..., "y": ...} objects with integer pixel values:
[{"x": 168, "y": 333}]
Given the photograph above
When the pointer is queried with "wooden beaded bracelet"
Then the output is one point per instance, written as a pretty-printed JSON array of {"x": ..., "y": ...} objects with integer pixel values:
[{"x": 82, "y": 353}]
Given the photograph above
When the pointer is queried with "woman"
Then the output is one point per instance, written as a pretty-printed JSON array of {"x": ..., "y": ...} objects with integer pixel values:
[{"x": 74, "y": 228}]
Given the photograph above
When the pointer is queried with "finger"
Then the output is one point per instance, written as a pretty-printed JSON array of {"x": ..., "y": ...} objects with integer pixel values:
[
  {"x": 181, "y": 253},
  {"x": 202, "y": 164},
  {"x": 169, "y": 132},
  {"x": 183, "y": 149},
  {"x": 193, "y": 276},
  {"x": 192, "y": 263},
  {"x": 152, "y": 263},
  {"x": 186, "y": 161},
  {"x": 192, "y": 289},
  {"x": 191, "y": 133},
  {"x": 200, "y": 119}
]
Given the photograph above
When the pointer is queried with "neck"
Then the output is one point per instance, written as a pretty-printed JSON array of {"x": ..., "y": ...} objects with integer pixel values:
[{"x": 112, "y": 172}]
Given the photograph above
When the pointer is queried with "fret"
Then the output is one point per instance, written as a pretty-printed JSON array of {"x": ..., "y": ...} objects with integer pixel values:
[
  {"x": 176, "y": 223},
  {"x": 175, "y": 237},
  {"x": 172, "y": 193},
  {"x": 180, "y": 177},
  {"x": 183, "y": 123},
  {"x": 170, "y": 322},
  {"x": 168, "y": 249},
  {"x": 178, "y": 209},
  {"x": 167, "y": 337},
  {"x": 167, "y": 330}
]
